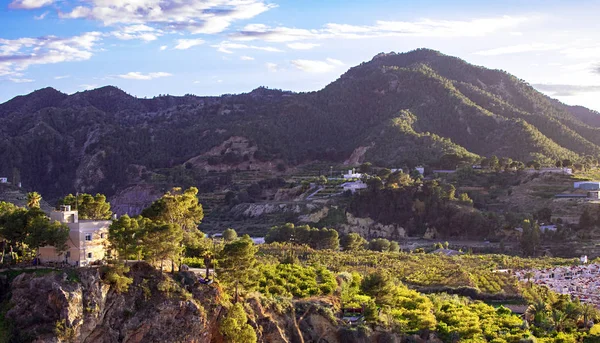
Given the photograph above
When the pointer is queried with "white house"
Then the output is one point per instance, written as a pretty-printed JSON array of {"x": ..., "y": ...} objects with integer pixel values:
[
  {"x": 421, "y": 170},
  {"x": 587, "y": 185},
  {"x": 548, "y": 228},
  {"x": 353, "y": 186},
  {"x": 3, "y": 180},
  {"x": 352, "y": 174},
  {"x": 87, "y": 243}
]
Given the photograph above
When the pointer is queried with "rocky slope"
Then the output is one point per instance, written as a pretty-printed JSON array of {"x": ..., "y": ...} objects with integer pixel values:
[{"x": 78, "y": 307}]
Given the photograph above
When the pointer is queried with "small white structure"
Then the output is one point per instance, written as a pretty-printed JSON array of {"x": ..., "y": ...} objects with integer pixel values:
[
  {"x": 587, "y": 185},
  {"x": 87, "y": 241},
  {"x": 3, "y": 180},
  {"x": 352, "y": 174},
  {"x": 563, "y": 170},
  {"x": 421, "y": 170},
  {"x": 353, "y": 186},
  {"x": 584, "y": 259},
  {"x": 548, "y": 228}
]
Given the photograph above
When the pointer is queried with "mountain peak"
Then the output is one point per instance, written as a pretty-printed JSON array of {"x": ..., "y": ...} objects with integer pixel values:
[{"x": 33, "y": 102}]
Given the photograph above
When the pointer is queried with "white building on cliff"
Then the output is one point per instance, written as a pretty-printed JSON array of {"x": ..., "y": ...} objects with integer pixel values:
[{"x": 87, "y": 243}]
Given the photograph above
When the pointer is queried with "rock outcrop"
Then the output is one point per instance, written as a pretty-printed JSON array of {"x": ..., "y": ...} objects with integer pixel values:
[
  {"x": 60, "y": 308},
  {"x": 369, "y": 228}
]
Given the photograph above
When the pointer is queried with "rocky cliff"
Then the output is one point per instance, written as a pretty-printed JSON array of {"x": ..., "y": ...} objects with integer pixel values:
[{"x": 77, "y": 306}]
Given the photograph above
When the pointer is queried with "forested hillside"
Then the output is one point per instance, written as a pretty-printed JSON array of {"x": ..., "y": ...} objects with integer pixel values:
[{"x": 420, "y": 107}]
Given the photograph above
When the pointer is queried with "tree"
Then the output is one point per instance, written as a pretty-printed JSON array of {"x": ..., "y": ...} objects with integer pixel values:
[
  {"x": 394, "y": 247},
  {"x": 235, "y": 326},
  {"x": 567, "y": 163},
  {"x": 33, "y": 199},
  {"x": 530, "y": 238},
  {"x": 384, "y": 173},
  {"x": 379, "y": 285},
  {"x": 163, "y": 242},
  {"x": 88, "y": 206},
  {"x": 494, "y": 163},
  {"x": 365, "y": 168},
  {"x": 379, "y": 244},
  {"x": 42, "y": 232},
  {"x": 352, "y": 242},
  {"x": 238, "y": 262},
  {"x": 543, "y": 214},
  {"x": 180, "y": 208},
  {"x": 126, "y": 234},
  {"x": 229, "y": 235}
]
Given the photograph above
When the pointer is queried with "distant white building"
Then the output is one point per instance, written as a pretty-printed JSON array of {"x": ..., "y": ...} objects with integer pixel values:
[
  {"x": 587, "y": 185},
  {"x": 563, "y": 170},
  {"x": 584, "y": 259},
  {"x": 3, "y": 180},
  {"x": 353, "y": 186},
  {"x": 421, "y": 170},
  {"x": 352, "y": 174},
  {"x": 87, "y": 243},
  {"x": 548, "y": 228}
]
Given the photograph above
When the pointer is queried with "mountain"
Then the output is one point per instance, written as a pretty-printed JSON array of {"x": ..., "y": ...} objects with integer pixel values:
[{"x": 419, "y": 107}]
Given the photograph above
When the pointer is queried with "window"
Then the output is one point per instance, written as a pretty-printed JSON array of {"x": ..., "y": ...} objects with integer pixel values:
[
  {"x": 101, "y": 235},
  {"x": 68, "y": 254},
  {"x": 89, "y": 255},
  {"x": 88, "y": 236}
]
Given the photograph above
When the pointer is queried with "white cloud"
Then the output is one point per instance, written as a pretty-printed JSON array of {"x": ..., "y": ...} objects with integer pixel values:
[
  {"x": 419, "y": 28},
  {"x": 135, "y": 75},
  {"x": 312, "y": 66},
  {"x": 302, "y": 46},
  {"x": 88, "y": 87},
  {"x": 41, "y": 16},
  {"x": 17, "y": 80},
  {"x": 194, "y": 16},
  {"x": 184, "y": 44},
  {"x": 17, "y": 55},
  {"x": 246, "y": 58},
  {"x": 566, "y": 90},
  {"x": 228, "y": 47},
  {"x": 140, "y": 31},
  {"x": 163, "y": 48},
  {"x": 272, "y": 67},
  {"x": 60, "y": 77},
  {"x": 29, "y": 4},
  {"x": 520, "y": 48}
]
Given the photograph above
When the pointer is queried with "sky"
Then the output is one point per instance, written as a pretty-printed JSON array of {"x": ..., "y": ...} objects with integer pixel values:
[{"x": 213, "y": 47}]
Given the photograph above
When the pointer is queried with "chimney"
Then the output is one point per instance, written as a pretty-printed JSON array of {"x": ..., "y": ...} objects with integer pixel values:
[{"x": 114, "y": 216}]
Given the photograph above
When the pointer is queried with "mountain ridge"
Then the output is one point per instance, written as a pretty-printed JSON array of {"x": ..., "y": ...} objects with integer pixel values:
[{"x": 418, "y": 107}]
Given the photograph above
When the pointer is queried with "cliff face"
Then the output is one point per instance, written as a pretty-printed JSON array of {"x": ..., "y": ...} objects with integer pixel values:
[
  {"x": 78, "y": 307},
  {"x": 60, "y": 308}
]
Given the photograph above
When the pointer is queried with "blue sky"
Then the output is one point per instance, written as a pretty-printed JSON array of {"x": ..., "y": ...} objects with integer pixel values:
[{"x": 212, "y": 47}]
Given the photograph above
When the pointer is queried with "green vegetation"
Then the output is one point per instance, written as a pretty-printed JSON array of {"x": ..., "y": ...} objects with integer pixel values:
[
  {"x": 24, "y": 231},
  {"x": 88, "y": 206},
  {"x": 235, "y": 326},
  {"x": 293, "y": 280},
  {"x": 316, "y": 238}
]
